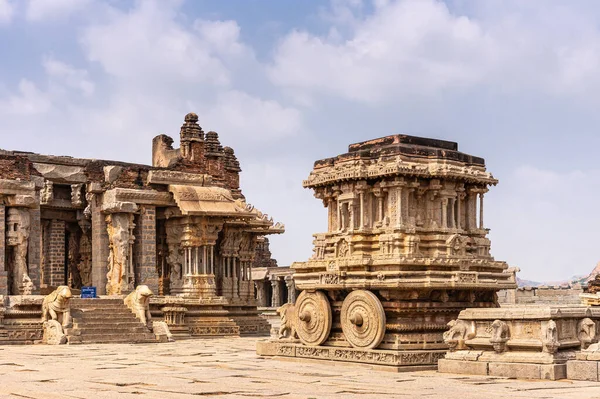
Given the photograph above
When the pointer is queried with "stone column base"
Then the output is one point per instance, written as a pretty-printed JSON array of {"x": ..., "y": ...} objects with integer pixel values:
[{"x": 199, "y": 286}]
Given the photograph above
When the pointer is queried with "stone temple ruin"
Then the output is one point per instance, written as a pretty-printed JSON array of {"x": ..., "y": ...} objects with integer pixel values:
[
  {"x": 403, "y": 277},
  {"x": 181, "y": 228},
  {"x": 406, "y": 250}
]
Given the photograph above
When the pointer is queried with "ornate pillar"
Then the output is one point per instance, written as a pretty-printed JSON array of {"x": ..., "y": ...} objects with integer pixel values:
[
  {"x": 261, "y": 297},
  {"x": 471, "y": 209},
  {"x": 481, "y": 225},
  {"x": 459, "y": 205},
  {"x": 100, "y": 243},
  {"x": 291, "y": 287},
  {"x": 198, "y": 240},
  {"x": 444, "y": 213},
  {"x": 3, "y": 271},
  {"x": 120, "y": 277},
  {"x": 451, "y": 209},
  {"x": 17, "y": 236},
  {"x": 340, "y": 222},
  {"x": 276, "y": 295}
]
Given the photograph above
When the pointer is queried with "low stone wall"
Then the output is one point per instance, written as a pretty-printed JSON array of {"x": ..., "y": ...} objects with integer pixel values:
[
  {"x": 20, "y": 319},
  {"x": 529, "y": 342},
  {"x": 543, "y": 295}
]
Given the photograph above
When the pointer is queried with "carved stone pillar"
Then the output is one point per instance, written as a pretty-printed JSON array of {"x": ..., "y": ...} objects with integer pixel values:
[
  {"x": 100, "y": 245},
  {"x": 291, "y": 287},
  {"x": 481, "y": 225},
  {"x": 120, "y": 276},
  {"x": 3, "y": 272},
  {"x": 471, "y": 210},
  {"x": 17, "y": 236},
  {"x": 261, "y": 294},
  {"x": 145, "y": 248},
  {"x": 444, "y": 213},
  {"x": 276, "y": 295}
]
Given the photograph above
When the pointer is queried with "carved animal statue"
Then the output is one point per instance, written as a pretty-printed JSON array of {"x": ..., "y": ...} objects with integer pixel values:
[
  {"x": 288, "y": 326},
  {"x": 586, "y": 332},
  {"x": 500, "y": 334},
  {"x": 457, "y": 334},
  {"x": 56, "y": 306},
  {"x": 551, "y": 342},
  {"x": 139, "y": 303}
]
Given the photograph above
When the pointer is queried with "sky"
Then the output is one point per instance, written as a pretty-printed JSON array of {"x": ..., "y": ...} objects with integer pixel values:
[{"x": 287, "y": 82}]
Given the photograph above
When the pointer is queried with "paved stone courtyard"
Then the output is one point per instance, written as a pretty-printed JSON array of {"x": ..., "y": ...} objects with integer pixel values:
[{"x": 229, "y": 368}]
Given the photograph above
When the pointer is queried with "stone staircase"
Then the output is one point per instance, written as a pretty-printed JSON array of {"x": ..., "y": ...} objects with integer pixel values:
[{"x": 105, "y": 320}]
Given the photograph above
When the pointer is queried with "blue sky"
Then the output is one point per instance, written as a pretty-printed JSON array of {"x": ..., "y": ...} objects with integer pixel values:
[{"x": 288, "y": 82}]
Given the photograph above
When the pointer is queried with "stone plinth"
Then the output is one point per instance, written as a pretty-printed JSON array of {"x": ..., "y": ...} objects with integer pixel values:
[
  {"x": 586, "y": 365},
  {"x": 208, "y": 317},
  {"x": 519, "y": 342}
]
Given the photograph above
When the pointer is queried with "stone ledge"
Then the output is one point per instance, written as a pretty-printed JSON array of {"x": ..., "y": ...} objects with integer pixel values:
[
  {"x": 525, "y": 371},
  {"x": 583, "y": 370},
  {"x": 402, "y": 360}
]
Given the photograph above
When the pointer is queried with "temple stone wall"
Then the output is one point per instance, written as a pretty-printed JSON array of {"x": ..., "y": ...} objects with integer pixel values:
[
  {"x": 3, "y": 272},
  {"x": 145, "y": 248},
  {"x": 56, "y": 255},
  {"x": 544, "y": 295}
]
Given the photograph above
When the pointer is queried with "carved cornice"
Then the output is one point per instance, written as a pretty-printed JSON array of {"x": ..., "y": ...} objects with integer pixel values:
[
  {"x": 169, "y": 177},
  {"x": 370, "y": 169},
  {"x": 140, "y": 197}
]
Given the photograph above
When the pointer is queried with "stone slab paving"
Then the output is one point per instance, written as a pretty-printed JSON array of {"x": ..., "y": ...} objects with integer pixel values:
[{"x": 229, "y": 368}]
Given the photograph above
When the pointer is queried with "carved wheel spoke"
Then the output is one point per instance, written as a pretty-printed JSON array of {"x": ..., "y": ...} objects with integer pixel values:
[
  {"x": 363, "y": 319},
  {"x": 313, "y": 318}
]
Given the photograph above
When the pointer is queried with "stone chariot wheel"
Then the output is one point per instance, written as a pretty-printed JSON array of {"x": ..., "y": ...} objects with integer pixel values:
[
  {"x": 363, "y": 319},
  {"x": 313, "y": 318}
]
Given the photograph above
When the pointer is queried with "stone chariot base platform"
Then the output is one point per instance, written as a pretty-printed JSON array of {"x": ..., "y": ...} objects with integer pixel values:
[
  {"x": 395, "y": 360},
  {"x": 529, "y": 371}
]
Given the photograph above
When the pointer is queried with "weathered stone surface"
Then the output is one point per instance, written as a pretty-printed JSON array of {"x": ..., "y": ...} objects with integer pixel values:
[
  {"x": 112, "y": 172},
  {"x": 229, "y": 368},
  {"x": 62, "y": 173},
  {"x": 583, "y": 370},
  {"x": 462, "y": 367}
]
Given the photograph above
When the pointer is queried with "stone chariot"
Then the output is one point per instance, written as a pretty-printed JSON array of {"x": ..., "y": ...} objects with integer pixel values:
[{"x": 406, "y": 250}]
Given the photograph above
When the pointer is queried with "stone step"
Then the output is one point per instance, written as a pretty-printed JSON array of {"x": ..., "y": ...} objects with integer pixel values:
[
  {"x": 105, "y": 320},
  {"x": 112, "y": 338},
  {"x": 120, "y": 332},
  {"x": 99, "y": 312},
  {"x": 95, "y": 302},
  {"x": 103, "y": 324},
  {"x": 107, "y": 316},
  {"x": 111, "y": 307},
  {"x": 109, "y": 328}
]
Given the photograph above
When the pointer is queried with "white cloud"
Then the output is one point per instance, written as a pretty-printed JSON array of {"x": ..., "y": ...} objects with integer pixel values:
[
  {"x": 545, "y": 222},
  {"x": 40, "y": 10},
  {"x": 258, "y": 119},
  {"x": 7, "y": 11},
  {"x": 421, "y": 47},
  {"x": 68, "y": 76},
  {"x": 28, "y": 101},
  {"x": 148, "y": 46}
]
